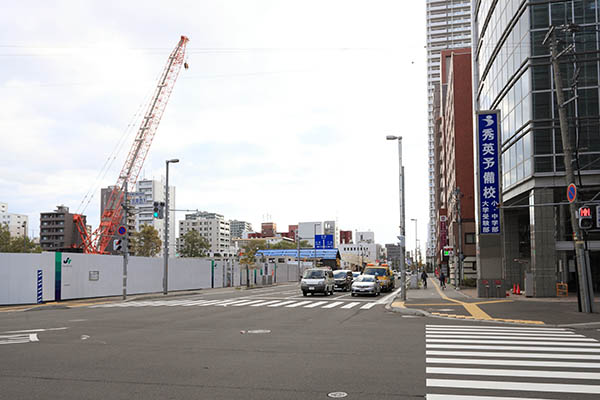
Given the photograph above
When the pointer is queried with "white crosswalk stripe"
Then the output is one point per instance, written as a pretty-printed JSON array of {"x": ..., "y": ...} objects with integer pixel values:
[
  {"x": 493, "y": 362},
  {"x": 242, "y": 302}
]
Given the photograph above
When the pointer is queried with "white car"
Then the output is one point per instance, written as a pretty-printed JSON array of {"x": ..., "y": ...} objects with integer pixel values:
[{"x": 366, "y": 284}]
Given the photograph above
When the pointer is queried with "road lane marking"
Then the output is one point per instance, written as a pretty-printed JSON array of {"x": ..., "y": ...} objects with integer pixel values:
[
  {"x": 350, "y": 305},
  {"x": 504, "y": 385},
  {"x": 334, "y": 304},
  {"x": 264, "y": 303},
  {"x": 511, "y": 363},
  {"x": 512, "y": 328},
  {"x": 38, "y": 330},
  {"x": 464, "y": 397},
  {"x": 549, "y": 336},
  {"x": 316, "y": 304},
  {"x": 229, "y": 302},
  {"x": 526, "y": 373},
  {"x": 519, "y": 348},
  {"x": 368, "y": 306},
  {"x": 246, "y": 303},
  {"x": 535, "y": 342},
  {"x": 209, "y": 303},
  {"x": 282, "y": 303},
  {"x": 301, "y": 303},
  {"x": 512, "y": 355}
]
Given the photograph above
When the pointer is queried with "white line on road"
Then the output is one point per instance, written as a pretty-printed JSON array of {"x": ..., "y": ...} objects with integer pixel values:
[
  {"x": 496, "y": 328},
  {"x": 516, "y": 341},
  {"x": 301, "y": 303},
  {"x": 368, "y": 306},
  {"x": 511, "y": 363},
  {"x": 512, "y": 355},
  {"x": 384, "y": 299},
  {"x": 504, "y": 335},
  {"x": 209, "y": 303},
  {"x": 313, "y": 305},
  {"x": 513, "y": 372},
  {"x": 229, "y": 302},
  {"x": 248, "y": 303},
  {"x": 528, "y": 386},
  {"x": 281, "y": 303},
  {"x": 463, "y": 397},
  {"x": 334, "y": 304},
  {"x": 264, "y": 303},
  {"x": 33, "y": 337},
  {"x": 350, "y": 305},
  {"x": 519, "y": 348},
  {"x": 38, "y": 330}
]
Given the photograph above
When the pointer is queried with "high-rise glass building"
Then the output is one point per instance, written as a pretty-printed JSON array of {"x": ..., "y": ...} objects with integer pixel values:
[
  {"x": 512, "y": 73},
  {"x": 448, "y": 27}
]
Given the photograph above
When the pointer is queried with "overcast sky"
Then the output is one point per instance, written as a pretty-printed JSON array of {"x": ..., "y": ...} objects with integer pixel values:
[{"x": 282, "y": 114}]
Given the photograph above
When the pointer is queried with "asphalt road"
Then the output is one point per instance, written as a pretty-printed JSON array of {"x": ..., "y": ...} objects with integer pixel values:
[
  {"x": 273, "y": 343},
  {"x": 192, "y": 348}
]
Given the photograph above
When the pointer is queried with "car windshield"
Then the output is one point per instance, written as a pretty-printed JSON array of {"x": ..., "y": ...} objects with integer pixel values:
[
  {"x": 340, "y": 274},
  {"x": 355, "y": 274},
  {"x": 366, "y": 278},
  {"x": 314, "y": 274},
  {"x": 375, "y": 271}
]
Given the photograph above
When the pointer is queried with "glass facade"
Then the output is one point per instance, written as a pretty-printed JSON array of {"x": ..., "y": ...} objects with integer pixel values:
[{"x": 515, "y": 77}]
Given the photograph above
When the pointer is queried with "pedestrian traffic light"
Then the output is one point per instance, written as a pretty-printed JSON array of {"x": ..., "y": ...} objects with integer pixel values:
[
  {"x": 156, "y": 212},
  {"x": 117, "y": 244},
  {"x": 585, "y": 217}
]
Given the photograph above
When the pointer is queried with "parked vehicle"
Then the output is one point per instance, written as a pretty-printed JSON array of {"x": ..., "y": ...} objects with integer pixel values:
[
  {"x": 343, "y": 279},
  {"x": 317, "y": 280},
  {"x": 355, "y": 275},
  {"x": 384, "y": 276},
  {"x": 366, "y": 284}
]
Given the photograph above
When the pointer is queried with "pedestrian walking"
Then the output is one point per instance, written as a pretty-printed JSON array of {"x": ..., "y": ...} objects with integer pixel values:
[
  {"x": 424, "y": 279},
  {"x": 443, "y": 280}
]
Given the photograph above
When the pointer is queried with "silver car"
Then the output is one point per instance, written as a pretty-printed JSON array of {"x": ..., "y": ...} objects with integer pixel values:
[{"x": 366, "y": 284}]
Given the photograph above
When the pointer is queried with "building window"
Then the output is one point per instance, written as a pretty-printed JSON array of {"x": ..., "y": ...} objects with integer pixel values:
[{"x": 469, "y": 238}]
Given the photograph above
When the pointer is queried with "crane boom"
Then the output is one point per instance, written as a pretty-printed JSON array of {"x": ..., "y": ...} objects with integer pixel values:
[{"x": 113, "y": 211}]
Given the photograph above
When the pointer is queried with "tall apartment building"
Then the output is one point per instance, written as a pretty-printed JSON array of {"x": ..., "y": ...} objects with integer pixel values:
[
  {"x": 238, "y": 228},
  {"x": 58, "y": 231},
  {"x": 211, "y": 226},
  {"x": 142, "y": 199},
  {"x": 454, "y": 165},
  {"x": 308, "y": 230},
  {"x": 448, "y": 27},
  {"x": 512, "y": 71},
  {"x": 18, "y": 224}
]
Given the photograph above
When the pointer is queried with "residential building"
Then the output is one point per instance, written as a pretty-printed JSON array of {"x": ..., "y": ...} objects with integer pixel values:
[
  {"x": 239, "y": 227},
  {"x": 345, "y": 237},
  {"x": 58, "y": 232},
  {"x": 18, "y": 224},
  {"x": 212, "y": 226},
  {"x": 308, "y": 230},
  {"x": 332, "y": 228},
  {"x": 448, "y": 27},
  {"x": 147, "y": 192},
  {"x": 454, "y": 165},
  {"x": 513, "y": 74},
  {"x": 268, "y": 229}
]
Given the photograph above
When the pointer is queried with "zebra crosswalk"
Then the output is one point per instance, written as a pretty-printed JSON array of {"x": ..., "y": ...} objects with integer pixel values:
[
  {"x": 237, "y": 302},
  {"x": 468, "y": 362}
]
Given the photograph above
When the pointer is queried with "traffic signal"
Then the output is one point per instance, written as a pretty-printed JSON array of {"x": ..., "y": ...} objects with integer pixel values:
[
  {"x": 156, "y": 212},
  {"x": 161, "y": 210},
  {"x": 585, "y": 217},
  {"x": 117, "y": 244}
]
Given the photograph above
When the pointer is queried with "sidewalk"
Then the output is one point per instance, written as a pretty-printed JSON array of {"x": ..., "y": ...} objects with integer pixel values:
[{"x": 463, "y": 304}]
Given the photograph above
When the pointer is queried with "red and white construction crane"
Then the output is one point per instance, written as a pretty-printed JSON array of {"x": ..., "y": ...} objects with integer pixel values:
[{"x": 112, "y": 217}]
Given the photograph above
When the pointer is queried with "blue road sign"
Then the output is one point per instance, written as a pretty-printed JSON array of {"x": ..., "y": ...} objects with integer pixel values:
[
  {"x": 122, "y": 230},
  {"x": 324, "y": 242},
  {"x": 571, "y": 192}
]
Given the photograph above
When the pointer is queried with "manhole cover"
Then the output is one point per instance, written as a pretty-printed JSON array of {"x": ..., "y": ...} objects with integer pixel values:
[{"x": 337, "y": 395}]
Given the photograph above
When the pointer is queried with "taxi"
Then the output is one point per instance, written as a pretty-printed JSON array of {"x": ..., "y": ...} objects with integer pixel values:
[{"x": 384, "y": 275}]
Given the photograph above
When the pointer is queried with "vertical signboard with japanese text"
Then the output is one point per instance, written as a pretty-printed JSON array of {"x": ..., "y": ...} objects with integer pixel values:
[{"x": 488, "y": 154}]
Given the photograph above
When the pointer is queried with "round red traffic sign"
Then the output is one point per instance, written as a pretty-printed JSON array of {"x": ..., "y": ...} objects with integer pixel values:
[
  {"x": 571, "y": 192},
  {"x": 122, "y": 230}
]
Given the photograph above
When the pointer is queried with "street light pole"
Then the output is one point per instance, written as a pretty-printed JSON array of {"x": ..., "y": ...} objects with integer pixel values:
[
  {"x": 166, "y": 236},
  {"x": 416, "y": 238},
  {"x": 24, "y": 236},
  {"x": 401, "y": 237}
]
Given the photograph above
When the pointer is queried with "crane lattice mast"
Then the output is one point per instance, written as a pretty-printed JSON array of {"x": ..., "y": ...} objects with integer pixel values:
[{"x": 112, "y": 216}]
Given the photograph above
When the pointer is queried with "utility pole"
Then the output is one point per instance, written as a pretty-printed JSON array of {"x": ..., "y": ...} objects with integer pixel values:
[
  {"x": 24, "y": 236},
  {"x": 125, "y": 241},
  {"x": 586, "y": 297}
]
